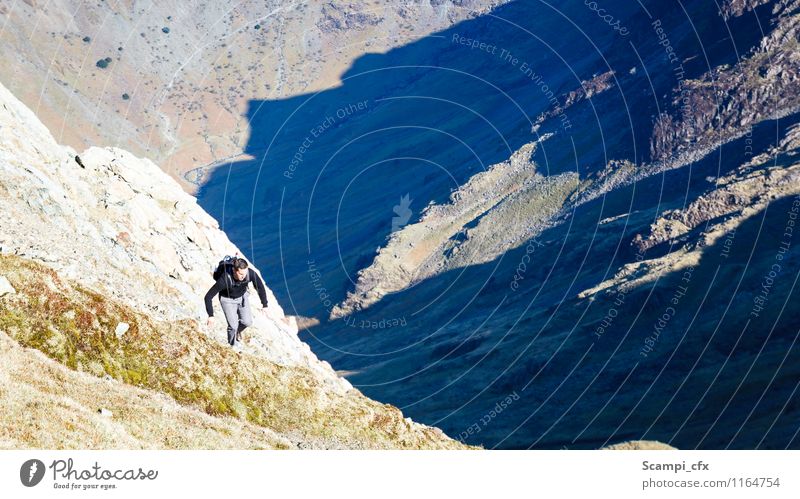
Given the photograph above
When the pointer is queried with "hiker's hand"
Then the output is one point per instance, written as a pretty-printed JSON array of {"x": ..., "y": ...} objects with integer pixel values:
[{"x": 210, "y": 322}]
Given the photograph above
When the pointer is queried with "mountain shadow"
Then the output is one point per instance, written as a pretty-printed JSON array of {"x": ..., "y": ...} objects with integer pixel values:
[{"x": 329, "y": 170}]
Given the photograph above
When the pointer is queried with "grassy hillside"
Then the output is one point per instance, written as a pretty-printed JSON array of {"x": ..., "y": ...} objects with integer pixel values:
[{"x": 82, "y": 330}]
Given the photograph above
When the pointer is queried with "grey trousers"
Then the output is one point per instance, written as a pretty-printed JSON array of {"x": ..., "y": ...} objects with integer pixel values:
[{"x": 237, "y": 313}]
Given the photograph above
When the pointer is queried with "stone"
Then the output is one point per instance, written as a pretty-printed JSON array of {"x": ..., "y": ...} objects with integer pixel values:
[
  {"x": 121, "y": 329},
  {"x": 5, "y": 287}
]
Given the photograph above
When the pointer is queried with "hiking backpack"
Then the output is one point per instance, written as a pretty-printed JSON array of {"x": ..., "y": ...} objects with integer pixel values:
[{"x": 225, "y": 266}]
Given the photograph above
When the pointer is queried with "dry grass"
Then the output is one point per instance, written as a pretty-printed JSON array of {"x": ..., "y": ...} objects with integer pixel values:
[
  {"x": 46, "y": 405},
  {"x": 75, "y": 327}
]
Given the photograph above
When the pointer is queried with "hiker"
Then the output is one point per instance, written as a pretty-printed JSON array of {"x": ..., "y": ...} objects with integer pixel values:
[{"x": 233, "y": 278}]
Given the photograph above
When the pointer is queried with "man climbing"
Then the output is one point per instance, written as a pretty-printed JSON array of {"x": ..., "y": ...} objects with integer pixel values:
[{"x": 232, "y": 286}]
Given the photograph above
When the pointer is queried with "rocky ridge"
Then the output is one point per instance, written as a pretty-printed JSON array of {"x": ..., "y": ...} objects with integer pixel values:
[
  {"x": 496, "y": 210},
  {"x": 735, "y": 198},
  {"x": 724, "y": 103},
  {"x": 587, "y": 90}
]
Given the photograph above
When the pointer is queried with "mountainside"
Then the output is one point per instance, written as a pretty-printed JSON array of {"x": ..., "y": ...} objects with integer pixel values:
[
  {"x": 588, "y": 227},
  {"x": 104, "y": 261},
  {"x": 725, "y": 102},
  {"x": 719, "y": 106},
  {"x": 536, "y": 226},
  {"x": 169, "y": 80}
]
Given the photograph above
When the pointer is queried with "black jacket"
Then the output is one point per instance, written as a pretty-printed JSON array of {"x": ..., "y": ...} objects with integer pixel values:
[{"x": 229, "y": 287}]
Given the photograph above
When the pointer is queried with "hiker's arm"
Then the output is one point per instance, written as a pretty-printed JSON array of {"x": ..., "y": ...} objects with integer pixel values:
[
  {"x": 216, "y": 288},
  {"x": 262, "y": 291}
]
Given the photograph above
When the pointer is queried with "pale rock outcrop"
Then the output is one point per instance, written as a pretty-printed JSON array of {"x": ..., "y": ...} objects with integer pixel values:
[
  {"x": 118, "y": 224},
  {"x": 5, "y": 287},
  {"x": 640, "y": 445}
]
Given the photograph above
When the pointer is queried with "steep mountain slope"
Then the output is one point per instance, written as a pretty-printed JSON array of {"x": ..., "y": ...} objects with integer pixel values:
[
  {"x": 104, "y": 261},
  {"x": 59, "y": 408},
  {"x": 170, "y": 80},
  {"x": 725, "y": 102},
  {"x": 639, "y": 317}
]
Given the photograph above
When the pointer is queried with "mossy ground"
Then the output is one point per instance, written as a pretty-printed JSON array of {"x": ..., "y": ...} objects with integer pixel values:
[{"x": 76, "y": 326}]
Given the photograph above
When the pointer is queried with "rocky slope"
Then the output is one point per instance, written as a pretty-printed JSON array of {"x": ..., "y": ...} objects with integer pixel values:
[
  {"x": 497, "y": 210},
  {"x": 738, "y": 195},
  {"x": 104, "y": 261},
  {"x": 170, "y": 80},
  {"x": 733, "y": 8},
  {"x": 721, "y": 105},
  {"x": 707, "y": 220},
  {"x": 113, "y": 220},
  {"x": 725, "y": 102}
]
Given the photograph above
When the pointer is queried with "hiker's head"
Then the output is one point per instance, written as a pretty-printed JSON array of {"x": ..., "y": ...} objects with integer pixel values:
[{"x": 240, "y": 268}]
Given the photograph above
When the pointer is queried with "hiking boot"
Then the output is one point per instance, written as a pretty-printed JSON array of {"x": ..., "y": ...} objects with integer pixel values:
[{"x": 238, "y": 336}]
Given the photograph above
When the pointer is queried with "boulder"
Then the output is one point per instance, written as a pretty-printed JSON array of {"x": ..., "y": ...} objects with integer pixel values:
[
  {"x": 5, "y": 287},
  {"x": 121, "y": 329}
]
